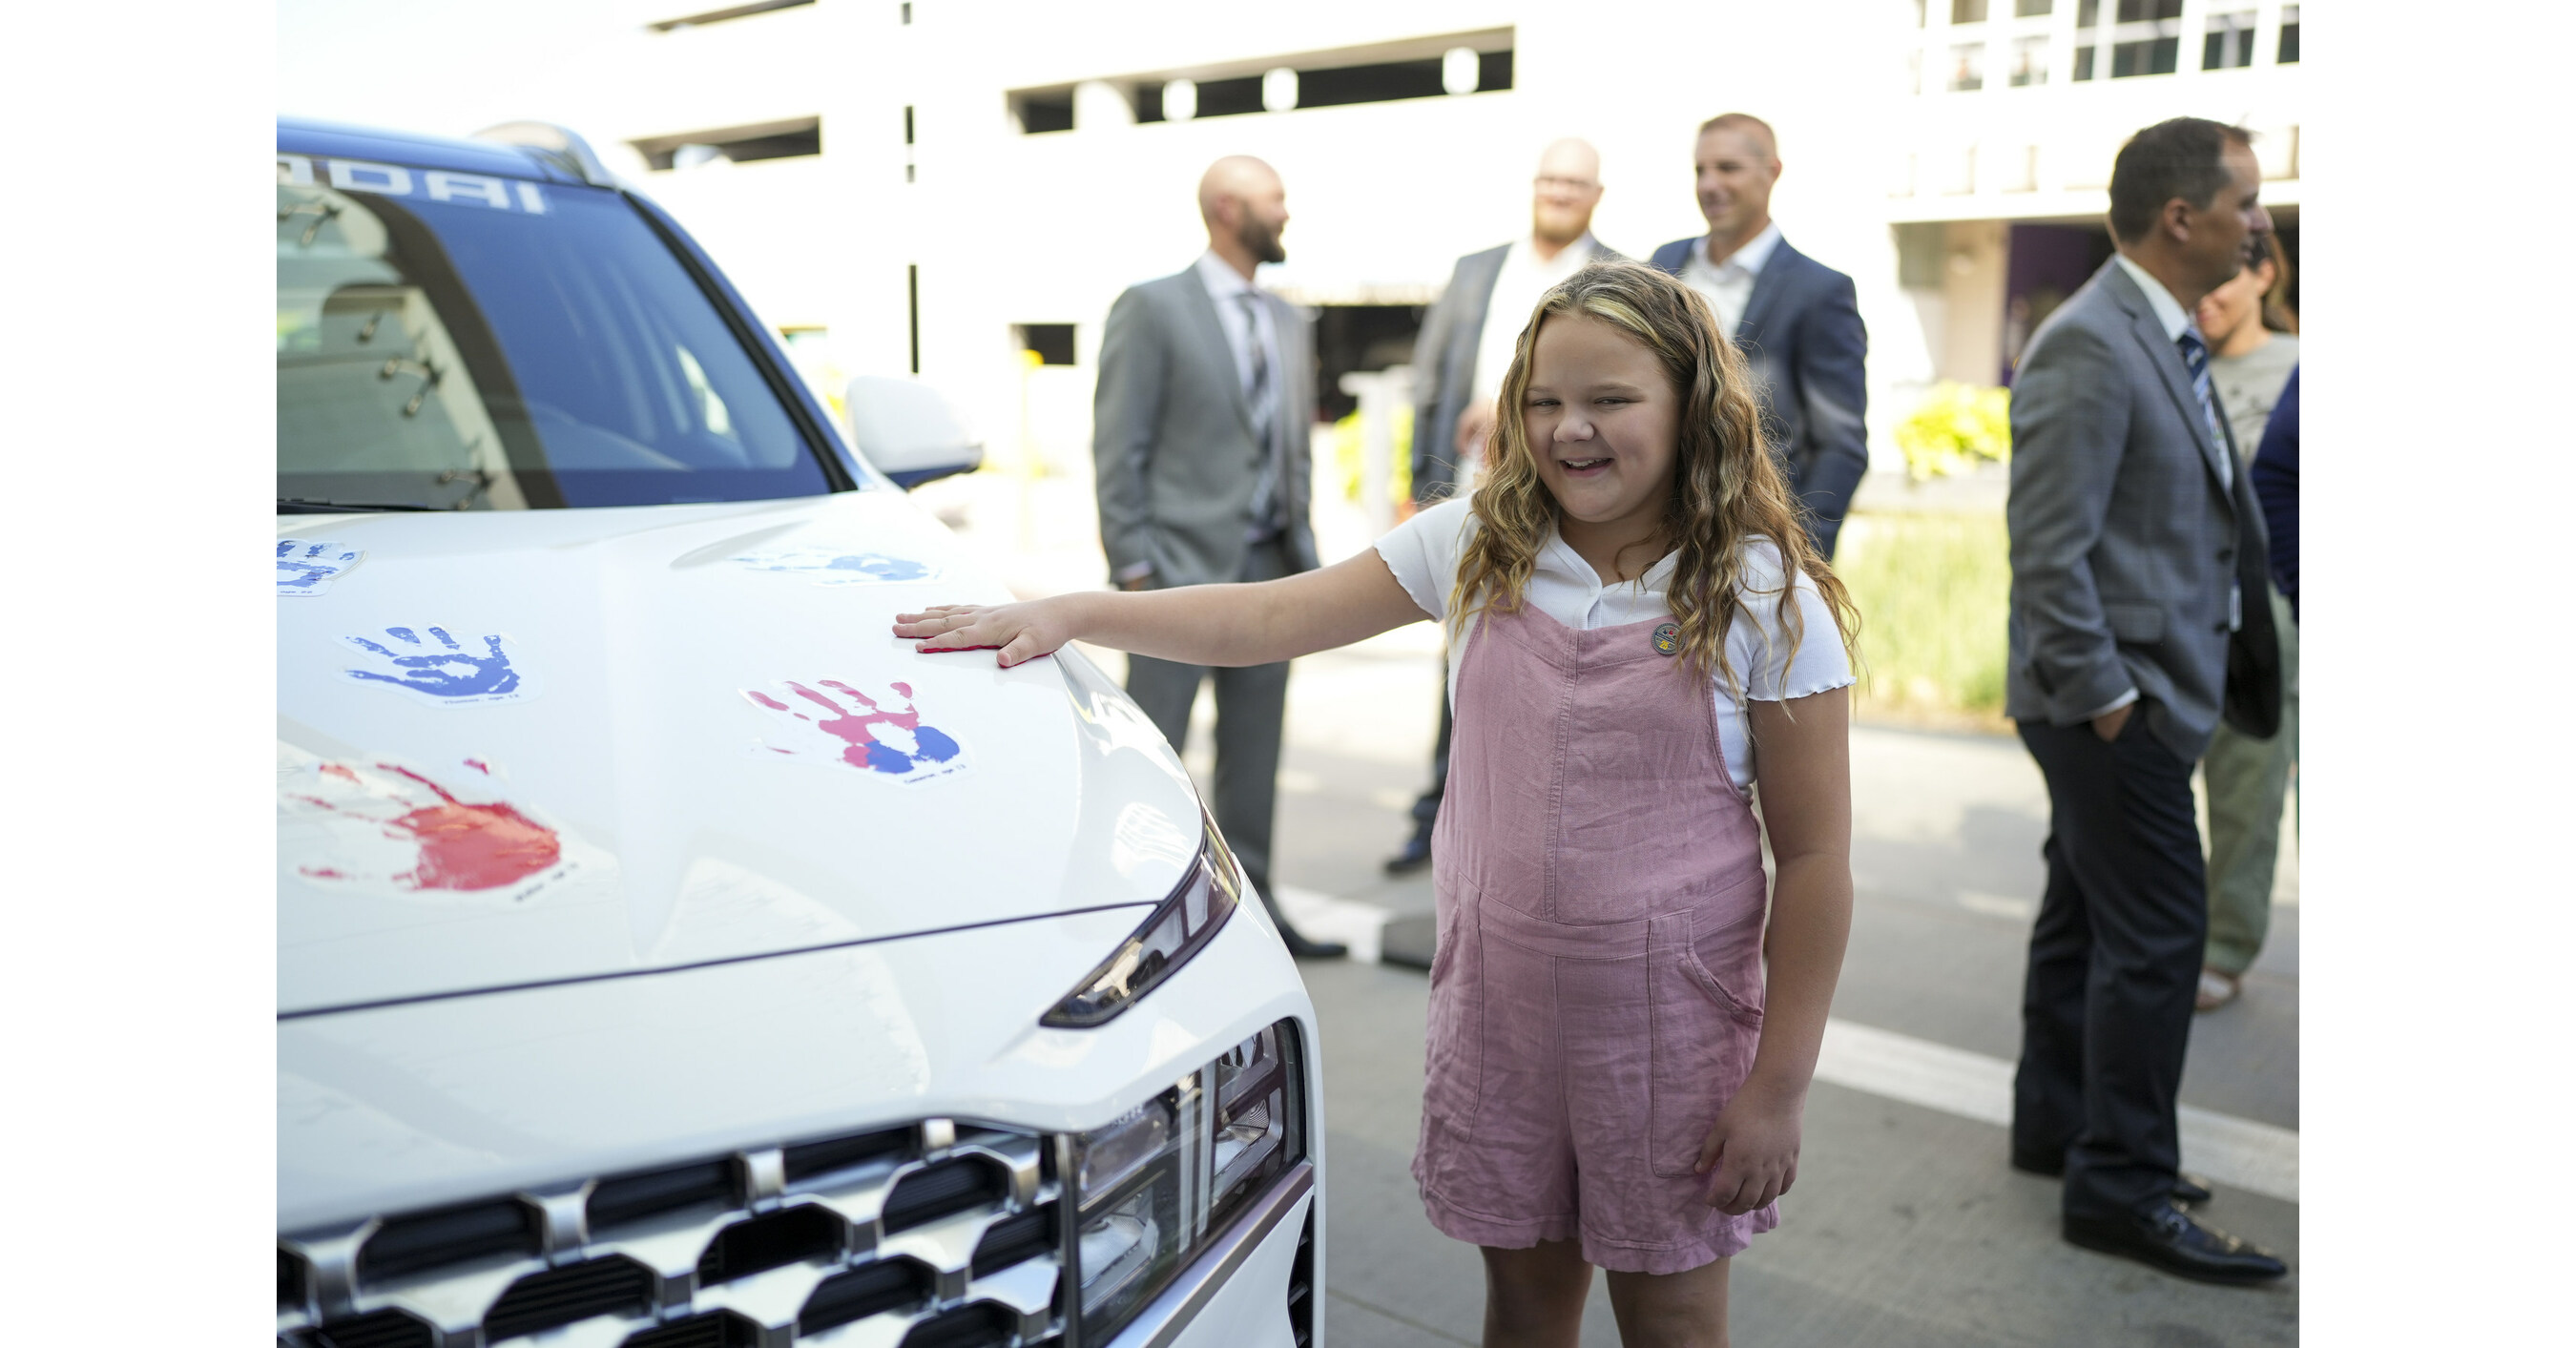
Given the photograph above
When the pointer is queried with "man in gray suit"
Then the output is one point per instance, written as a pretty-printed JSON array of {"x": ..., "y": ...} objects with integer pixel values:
[
  {"x": 1199, "y": 429},
  {"x": 1458, "y": 363},
  {"x": 2135, "y": 544}
]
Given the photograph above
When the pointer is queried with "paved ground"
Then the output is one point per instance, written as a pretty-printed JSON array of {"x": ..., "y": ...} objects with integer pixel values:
[{"x": 1906, "y": 1228}]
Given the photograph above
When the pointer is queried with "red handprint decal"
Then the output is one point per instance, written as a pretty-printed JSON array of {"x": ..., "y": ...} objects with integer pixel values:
[
  {"x": 880, "y": 736},
  {"x": 391, "y": 829}
]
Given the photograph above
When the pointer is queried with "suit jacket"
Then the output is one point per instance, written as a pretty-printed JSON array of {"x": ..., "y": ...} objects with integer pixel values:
[
  {"x": 1444, "y": 365},
  {"x": 1802, "y": 334},
  {"x": 1172, "y": 442},
  {"x": 2130, "y": 525},
  {"x": 2276, "y": 485}
]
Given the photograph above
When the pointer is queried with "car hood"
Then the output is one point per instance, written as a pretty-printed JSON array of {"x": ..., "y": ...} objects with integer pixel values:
[{"x": 517, "y": 748}]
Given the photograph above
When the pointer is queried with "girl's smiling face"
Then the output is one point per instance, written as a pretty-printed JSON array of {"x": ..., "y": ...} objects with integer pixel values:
[{"x": 1603, "y": 424}]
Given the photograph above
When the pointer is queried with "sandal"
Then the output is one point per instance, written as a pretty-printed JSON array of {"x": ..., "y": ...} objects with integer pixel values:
[{"x": 2217, "y": 989}]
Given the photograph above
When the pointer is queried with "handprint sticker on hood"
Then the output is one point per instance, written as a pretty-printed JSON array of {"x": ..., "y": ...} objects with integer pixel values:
[
  {"x": 832, "y": 722},
  {"x": 835, "y": 566},
  {"x": 389, "y": 829},
  {"x": 440, "y": 669},
  {"x": 306, "y": 567}
]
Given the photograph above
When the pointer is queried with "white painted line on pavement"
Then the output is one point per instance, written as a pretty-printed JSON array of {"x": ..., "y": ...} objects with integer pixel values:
[
  {"x": 2261, "y": 1158},
  {"x": 2240, "y": 1153},
  {"x": 1321, "y": 917}
]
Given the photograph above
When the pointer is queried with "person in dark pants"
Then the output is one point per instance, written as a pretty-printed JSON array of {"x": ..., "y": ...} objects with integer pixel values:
[
  {"x": 2137, "y": 620},
  {"x": 1796, "y": 320},
  {"x": 1199, "y": 440},
  {"x": 1458, "y": 362}
]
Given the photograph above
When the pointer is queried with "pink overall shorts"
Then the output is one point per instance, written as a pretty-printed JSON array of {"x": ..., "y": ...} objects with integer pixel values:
[{"x": 1596, "y": 992}]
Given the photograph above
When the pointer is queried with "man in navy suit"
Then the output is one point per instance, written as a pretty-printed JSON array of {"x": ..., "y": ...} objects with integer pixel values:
[{"x": 1795, "y": 318}]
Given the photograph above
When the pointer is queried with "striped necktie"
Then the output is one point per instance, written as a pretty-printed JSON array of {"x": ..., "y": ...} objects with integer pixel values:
[
  {"x": 2195, "y": 358},
  {"x": 1266, "y": 492}
]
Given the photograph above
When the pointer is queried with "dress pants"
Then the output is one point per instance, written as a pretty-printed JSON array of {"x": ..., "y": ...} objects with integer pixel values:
[
  {"x": 2248, "y": 781},
  {"x": 2114, "y": 961},
  {"x": 1251, "y": 705},
  {"x": 1426, "y": 808}
]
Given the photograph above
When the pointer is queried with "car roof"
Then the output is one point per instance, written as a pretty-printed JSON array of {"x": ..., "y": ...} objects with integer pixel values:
[{"x": 296, "y": 135}]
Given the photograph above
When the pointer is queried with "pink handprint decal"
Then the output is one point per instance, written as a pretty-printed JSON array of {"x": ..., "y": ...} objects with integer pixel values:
[
  {"x": 854, "y": 728},
  {"x": 388, "y": 828}
]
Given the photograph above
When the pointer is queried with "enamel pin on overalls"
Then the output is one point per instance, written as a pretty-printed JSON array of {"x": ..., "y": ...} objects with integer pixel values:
[{"x": 1668, "y": 639}]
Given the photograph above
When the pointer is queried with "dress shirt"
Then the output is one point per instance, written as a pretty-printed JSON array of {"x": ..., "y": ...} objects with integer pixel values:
[
  {"x": 1225, "y": 286},
  {"x": 2169, "y": 311},
  {"x": 1524, "y": 277},
  {"x": 1728, "y": 285}
]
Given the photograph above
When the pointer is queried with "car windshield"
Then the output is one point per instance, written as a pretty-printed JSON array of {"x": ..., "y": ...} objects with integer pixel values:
[{"x": 452, "y": 341}]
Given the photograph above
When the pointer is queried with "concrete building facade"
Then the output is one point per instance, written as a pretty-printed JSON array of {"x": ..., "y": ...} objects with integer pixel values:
[{"x": 936, "y": 187}]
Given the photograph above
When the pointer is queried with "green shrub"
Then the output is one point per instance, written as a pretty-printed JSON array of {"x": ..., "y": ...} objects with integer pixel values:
[
  {"x": 1954, "y": 428},
  {"x": 1932, "y": 592}
]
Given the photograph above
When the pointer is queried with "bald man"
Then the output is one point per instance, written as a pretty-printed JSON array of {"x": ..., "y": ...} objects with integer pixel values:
[
  {"x": 1199, "y": 429},
  {"x": 1458, "y": 364},
  {"x": 1466, "y": 340},
  {"x": 1796, "y": 319}
]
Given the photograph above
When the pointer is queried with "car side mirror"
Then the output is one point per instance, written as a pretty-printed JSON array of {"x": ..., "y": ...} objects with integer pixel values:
[{"x": 908, "y": 431}]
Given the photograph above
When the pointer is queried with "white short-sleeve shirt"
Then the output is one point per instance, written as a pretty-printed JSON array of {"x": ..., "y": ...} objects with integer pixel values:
[{"x": 1423, "y": 552}]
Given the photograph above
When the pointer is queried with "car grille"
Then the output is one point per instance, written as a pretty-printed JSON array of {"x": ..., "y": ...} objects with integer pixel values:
[{"x": 936, "y": 1235}]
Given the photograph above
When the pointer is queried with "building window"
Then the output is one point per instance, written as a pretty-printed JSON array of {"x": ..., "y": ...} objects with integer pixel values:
[
  {"x": 2229, "y": 43},
  {"x": 2148, "y": 38},
  {"x": 1429, "y": 67},
  {"x": 1967, "y": 67},
  {"x": 2030, "y": 61},
  {"x": 1051, "y": 343},
  {"x": 2088, "y": 16},
  {"x": 1921, "y": 17},
  {"x": 741, "y": 144},
  {"x": 1967, "y": 11},
  {"x": 1331, "y": 86},
  {"x": 2289, "y": 36},
  {"x": 2031, "y": 9}
]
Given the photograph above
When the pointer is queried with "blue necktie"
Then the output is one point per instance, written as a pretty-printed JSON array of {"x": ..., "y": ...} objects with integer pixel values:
[{"x": 2195, "y": 358}]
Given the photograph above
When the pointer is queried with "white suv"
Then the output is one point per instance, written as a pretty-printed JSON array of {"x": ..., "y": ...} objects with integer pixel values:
[{"x": 668, "y": 955}]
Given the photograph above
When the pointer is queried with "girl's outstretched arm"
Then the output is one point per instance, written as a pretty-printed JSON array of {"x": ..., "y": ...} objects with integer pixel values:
[
  {"x": 1254, "y": 624},
  {"x": 1803, "y": 770}
]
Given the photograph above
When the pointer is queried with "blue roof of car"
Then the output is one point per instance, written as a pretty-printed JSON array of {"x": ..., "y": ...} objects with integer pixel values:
[{"x": 297, "y": 135}]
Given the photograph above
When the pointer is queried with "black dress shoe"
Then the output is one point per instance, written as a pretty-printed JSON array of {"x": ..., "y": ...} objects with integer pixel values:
[
  {"x": 2189, "y": 1189},
  {"x": 1415, "y": 854},
  {"x": 2170, "y": 1240},
  {"x": 1304, "y": 949}
]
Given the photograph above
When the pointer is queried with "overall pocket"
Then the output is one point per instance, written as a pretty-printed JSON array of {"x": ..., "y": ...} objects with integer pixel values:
[
  {"x": 1453, "y": 1039},
  {"x": 1704, "y": 1037}
]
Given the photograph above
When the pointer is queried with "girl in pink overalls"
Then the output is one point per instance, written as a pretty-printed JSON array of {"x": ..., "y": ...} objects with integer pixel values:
[{"x": 1633, "y": 609}]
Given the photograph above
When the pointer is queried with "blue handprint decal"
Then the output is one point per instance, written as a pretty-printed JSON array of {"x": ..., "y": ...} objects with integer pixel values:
[
  {"x": 832, "y": 566},
  {"x": 305, "y": 567},
  {"x": 443, "y": 670}
]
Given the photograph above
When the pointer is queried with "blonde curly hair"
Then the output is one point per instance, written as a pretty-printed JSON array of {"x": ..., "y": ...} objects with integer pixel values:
[{"x": 1727, "y": 487}]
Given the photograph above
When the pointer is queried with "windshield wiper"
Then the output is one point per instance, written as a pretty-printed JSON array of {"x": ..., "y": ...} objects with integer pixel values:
[{"x": 297, "y": 505}]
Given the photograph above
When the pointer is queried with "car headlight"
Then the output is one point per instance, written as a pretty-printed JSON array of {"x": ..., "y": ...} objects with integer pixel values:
[
  {"x": 1178, "y": 928},
  {"x": 1163, "y": 1180}
]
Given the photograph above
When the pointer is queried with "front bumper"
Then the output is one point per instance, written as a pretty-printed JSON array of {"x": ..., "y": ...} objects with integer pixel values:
[
  {"x": 418, "y": 1106},
  {"x": 1259, "y": 1288}
]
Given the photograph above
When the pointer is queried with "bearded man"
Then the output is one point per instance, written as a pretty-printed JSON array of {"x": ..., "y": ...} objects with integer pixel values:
[{"x": 1199, "y": 439}]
